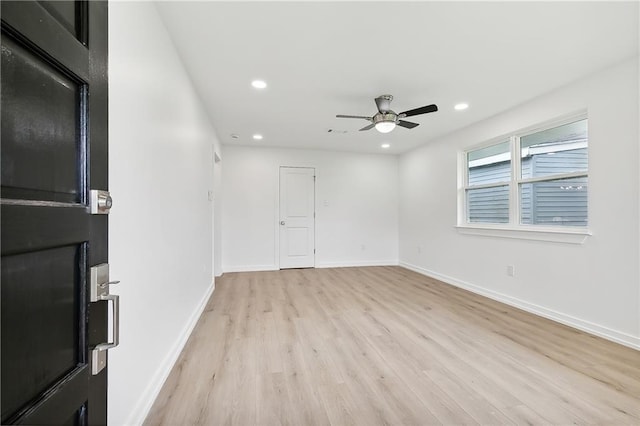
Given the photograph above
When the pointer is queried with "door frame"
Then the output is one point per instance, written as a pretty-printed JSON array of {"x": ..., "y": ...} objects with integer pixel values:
[
  {"x": 216, "y": 243},
  {"x": 276, "y": 219}
]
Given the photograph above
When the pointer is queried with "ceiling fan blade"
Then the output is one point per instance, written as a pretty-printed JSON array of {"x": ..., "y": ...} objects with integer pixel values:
[
  {"x": 353, "y": 116},
  {"x": 418, "y": 111},
  {"x": 369, "y": 127},
  {"x": 384, "y": 103},
  {"x": 407, "y": 124}
]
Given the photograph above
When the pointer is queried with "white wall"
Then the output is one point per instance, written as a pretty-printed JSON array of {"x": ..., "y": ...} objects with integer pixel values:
[
  {"x": 594, "y": 286},
  {"x": 356, "y": 206},
  {"x": 160, "y": 239}
]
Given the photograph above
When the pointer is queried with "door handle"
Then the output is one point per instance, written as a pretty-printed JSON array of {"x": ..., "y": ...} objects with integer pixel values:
[
  {"x": 115, "y": 298},
  {"x": 99, "y": 353},
  {"x": 282, "y": 222},
  {"x": 99, "y": 286}
]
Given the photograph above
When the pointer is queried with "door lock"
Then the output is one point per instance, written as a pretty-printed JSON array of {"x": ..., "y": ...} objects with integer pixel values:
[{"x": 100, "y": 201}]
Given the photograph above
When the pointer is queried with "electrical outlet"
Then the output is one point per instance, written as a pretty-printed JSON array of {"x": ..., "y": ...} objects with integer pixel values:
[
  {"x": 363, "y": 247},
  {"x": 511, "y": 270}
]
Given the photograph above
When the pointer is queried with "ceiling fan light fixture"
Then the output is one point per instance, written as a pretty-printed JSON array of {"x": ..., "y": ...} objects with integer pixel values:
[
  {"x": 385, "y": 126},
  {"x": 385, "y": 120}
]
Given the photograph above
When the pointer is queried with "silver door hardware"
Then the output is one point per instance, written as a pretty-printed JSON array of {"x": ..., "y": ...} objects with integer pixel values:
[
  {"x": 99, "y": 290},
  {"x": 100, "y": 201},
  {"x": 282, "y": 222}
]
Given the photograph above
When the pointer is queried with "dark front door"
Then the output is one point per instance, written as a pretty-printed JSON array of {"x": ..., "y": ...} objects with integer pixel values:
[{"x": 54, "y": 150}]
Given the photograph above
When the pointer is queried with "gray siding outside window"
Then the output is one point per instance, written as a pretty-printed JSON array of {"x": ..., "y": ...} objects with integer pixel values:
[
  {"x": 489, "y": 205},
  {"x": 553, "y": 202}
]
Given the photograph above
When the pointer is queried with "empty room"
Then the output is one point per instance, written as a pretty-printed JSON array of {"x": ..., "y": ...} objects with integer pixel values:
[{"x": 320, "y": 213}]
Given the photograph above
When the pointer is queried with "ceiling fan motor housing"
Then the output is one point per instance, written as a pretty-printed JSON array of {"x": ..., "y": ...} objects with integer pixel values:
[
  {"x": 383, "y": 102},
  {"x": 389, "y": 116}
]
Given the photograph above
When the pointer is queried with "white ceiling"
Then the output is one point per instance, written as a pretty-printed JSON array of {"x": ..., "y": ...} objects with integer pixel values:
[{"x": 326, "y": 58}]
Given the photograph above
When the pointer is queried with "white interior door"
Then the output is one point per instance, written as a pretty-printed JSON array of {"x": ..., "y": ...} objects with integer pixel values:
[{"x": 297, "y": 217}]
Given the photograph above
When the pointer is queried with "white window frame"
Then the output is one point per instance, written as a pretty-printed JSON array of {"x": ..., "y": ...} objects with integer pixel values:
[{"x": 514, "y": 229}]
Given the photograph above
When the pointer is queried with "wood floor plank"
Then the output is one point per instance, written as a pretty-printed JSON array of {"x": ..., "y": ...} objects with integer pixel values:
[
  {"x": 340, "y": 408},
  {"x": 384, "y": 345}
]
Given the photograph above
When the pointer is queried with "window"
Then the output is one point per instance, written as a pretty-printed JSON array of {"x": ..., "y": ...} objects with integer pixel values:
[
  {"x": 488, "y": 177},
  {"x": 530, "y": 180}
]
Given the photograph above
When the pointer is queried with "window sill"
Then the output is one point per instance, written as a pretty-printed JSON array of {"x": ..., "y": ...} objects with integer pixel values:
[{"x": 569, "y": 236}]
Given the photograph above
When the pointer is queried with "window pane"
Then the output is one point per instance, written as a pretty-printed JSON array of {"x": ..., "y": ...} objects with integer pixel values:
[
  {"x": 489, "y": 165},
  {"x": 488, "y": 205},
  {"x": 561, "y": 149},
  {"x": 554, "y": 202}
]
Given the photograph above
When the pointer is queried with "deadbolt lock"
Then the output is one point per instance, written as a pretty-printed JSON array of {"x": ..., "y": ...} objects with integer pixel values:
[{"x": 100, "y": 202}]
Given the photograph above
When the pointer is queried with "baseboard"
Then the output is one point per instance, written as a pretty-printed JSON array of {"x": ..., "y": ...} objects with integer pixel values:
[
  {"x": 357, "y": 263},
  {"x": 148, "y": 397},
  {"x": 257, "y": 268},
  {"x": 586, "y": 326},
  {"x": 249, "y": 268}
]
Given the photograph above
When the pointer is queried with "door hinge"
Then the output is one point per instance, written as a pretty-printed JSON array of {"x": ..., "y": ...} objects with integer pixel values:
[{"x": 314, "y": 251}]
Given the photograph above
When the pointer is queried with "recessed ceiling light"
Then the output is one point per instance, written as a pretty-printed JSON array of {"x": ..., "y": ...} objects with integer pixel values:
[
  {"x": 257, "y": 137},
  {"x": 461, "y": 106},
  {"x": 259, "y": 84},
  {"x": 385, "y": 145}
]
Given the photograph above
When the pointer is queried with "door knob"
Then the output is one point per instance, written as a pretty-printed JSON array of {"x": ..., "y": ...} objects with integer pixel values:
[{"x": 282, "y": 222}]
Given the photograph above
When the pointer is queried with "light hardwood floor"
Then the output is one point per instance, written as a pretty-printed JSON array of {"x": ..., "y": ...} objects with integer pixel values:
[{"x": 387, "y": 346}]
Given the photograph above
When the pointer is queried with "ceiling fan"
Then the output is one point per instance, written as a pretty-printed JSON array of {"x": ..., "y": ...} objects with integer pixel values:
[{"x": 386, "y": 120}]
